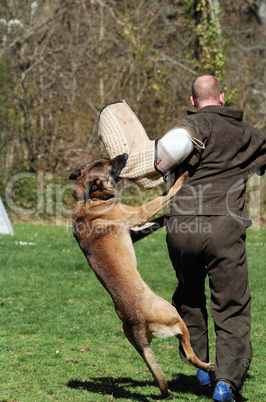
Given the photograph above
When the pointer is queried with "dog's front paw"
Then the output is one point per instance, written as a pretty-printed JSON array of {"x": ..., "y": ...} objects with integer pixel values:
[
  {"x": 210, "y": 367},
  {"x": 178, "y": 184}
]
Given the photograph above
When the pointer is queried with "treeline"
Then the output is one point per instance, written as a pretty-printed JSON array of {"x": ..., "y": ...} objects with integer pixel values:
[{"x": 61, "y": 61}]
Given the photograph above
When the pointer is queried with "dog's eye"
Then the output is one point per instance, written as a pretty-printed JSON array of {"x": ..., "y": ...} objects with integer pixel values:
[{"x": 93, "y": 188}]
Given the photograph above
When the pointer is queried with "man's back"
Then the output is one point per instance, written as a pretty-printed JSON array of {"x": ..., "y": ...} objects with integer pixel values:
[{"x": 233, "y": 151}]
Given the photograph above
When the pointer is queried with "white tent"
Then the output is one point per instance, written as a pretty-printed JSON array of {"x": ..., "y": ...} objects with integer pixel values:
[{"x": 5, "y": 225}]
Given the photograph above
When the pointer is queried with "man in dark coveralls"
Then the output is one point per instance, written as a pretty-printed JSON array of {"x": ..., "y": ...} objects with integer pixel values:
[
  {"x": 206, "y": 234},
  {"x": 207, "y": 219}
]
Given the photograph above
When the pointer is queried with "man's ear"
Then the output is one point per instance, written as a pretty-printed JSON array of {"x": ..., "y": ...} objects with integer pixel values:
[
  {"x": 192, "y": 100},
  {"x": 221, "y": 98}
]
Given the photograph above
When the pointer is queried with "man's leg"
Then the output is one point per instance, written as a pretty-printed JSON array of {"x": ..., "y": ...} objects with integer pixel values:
[
  {"x": 230, "y": 299},
  {"x": 185, "y": 249}
]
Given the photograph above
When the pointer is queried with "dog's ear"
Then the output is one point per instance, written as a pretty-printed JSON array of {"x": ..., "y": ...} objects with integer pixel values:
[
  {"x": 75, "y": 174},
  {"x": 118, "y": 163}
]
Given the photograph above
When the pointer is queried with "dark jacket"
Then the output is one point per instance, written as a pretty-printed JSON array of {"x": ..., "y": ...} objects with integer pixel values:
[{"x": 234, "y": 151}]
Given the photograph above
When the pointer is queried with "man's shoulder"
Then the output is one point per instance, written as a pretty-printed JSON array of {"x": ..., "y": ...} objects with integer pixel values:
[
  {"x": 218, "y": 110},
  {"x": 219, "y": 116}
]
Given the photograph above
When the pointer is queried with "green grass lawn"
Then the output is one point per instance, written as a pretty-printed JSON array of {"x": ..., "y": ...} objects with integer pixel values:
[{"x": 61, "y": 340}]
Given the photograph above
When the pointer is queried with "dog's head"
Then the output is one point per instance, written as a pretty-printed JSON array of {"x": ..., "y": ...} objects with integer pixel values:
[{"x": 97, "y": 180}]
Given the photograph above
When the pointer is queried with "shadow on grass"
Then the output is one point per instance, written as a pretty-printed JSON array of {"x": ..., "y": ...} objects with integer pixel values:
[
  {"x": 182, "y": 384},
  {"x": 112, "y": 386}
]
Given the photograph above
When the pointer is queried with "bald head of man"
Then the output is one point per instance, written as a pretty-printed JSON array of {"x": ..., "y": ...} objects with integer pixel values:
[{"x": 206, "y": 91}]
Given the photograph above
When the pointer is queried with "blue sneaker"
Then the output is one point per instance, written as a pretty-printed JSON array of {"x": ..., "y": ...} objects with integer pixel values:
[
  {"x": 223, "y": 392},
  {"x": 203, "y": 378}
]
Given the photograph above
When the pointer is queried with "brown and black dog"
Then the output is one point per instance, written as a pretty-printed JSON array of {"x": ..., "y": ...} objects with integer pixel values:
[{"x": 101, "y": 225}]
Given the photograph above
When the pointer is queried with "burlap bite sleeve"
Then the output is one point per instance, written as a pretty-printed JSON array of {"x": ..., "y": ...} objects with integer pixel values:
[{"x": 121, "y": 132}]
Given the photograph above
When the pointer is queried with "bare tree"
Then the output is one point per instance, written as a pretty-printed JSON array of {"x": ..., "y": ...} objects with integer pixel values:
[{"x": 61, "y": 61}]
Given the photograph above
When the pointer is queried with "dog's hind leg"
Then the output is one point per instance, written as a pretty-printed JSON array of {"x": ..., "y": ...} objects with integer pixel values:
[
  {"x": 190, "y": 355},
  {"x": 138, "y": 338}
]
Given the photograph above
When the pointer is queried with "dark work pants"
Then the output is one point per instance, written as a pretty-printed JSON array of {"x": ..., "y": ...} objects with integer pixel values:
[{"x": 213, "y": 246}]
